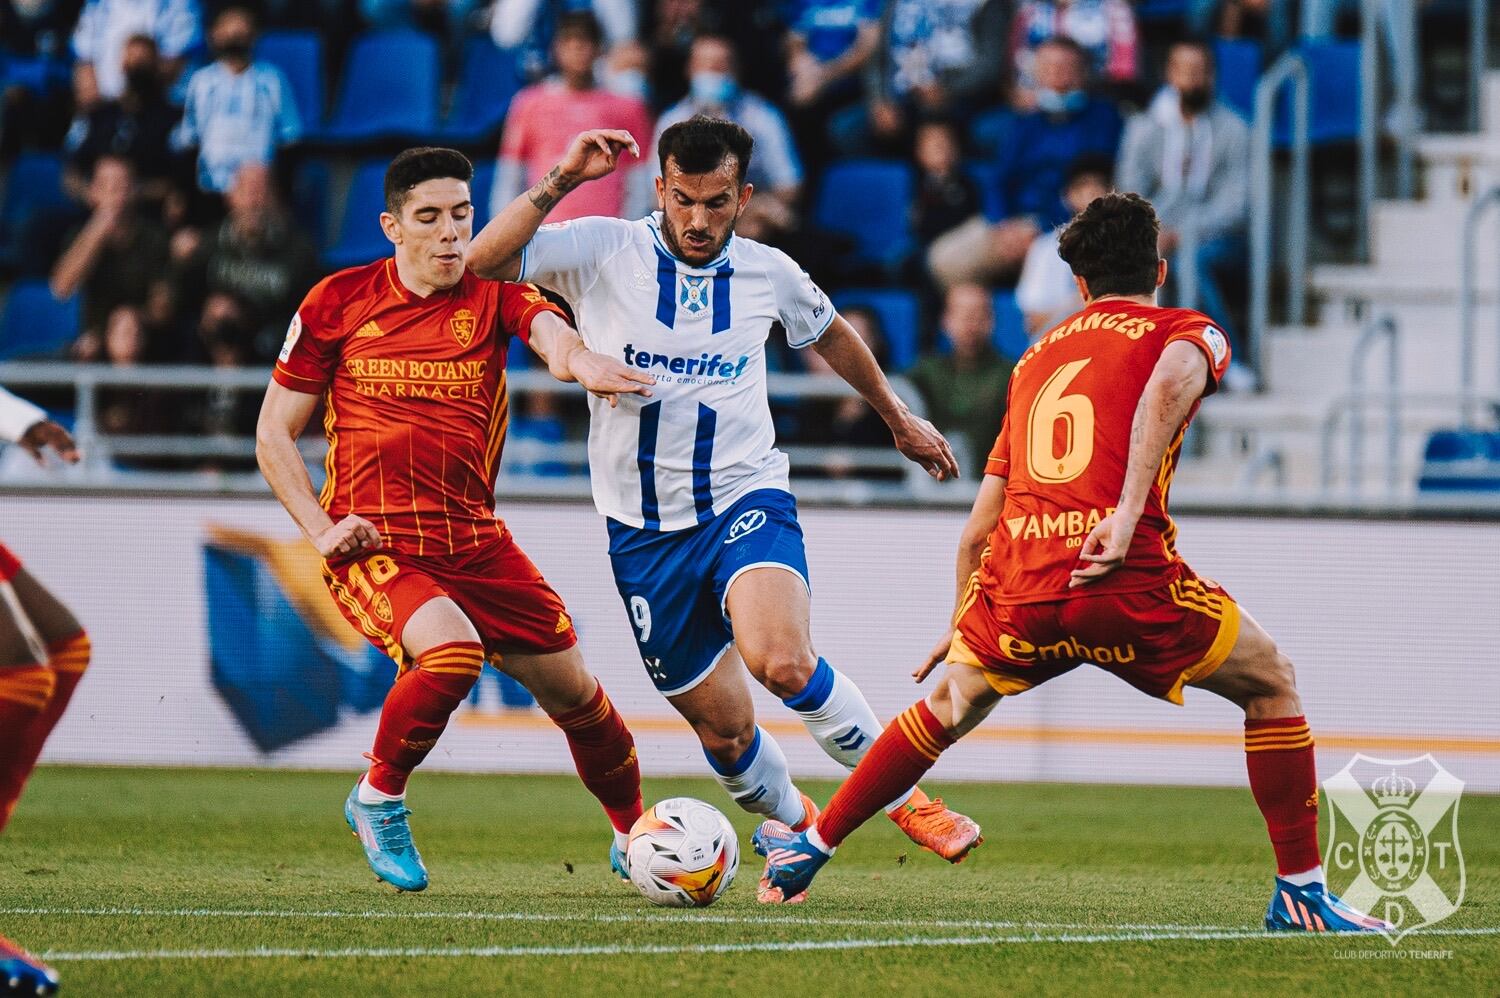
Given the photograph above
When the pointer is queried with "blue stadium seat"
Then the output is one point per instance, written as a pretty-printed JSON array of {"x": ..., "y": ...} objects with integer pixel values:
[
  {"x": 1161, "y": 10},
  {"x": 299, "y": 55},
  {"x": 1238, "y": 62},
  {"x": 1010, "y": 326},
  {"x": 389, "y": 88},
  {"x": 986, "y": 177},
  {"x": 867, "y": 200},
  {"x": 34, "y": 324},
  {"x": 487, "y": 81},
  {"x": 310, "y": 199},
  {"x": 1333, "y": 78},
  {"x": 1461, "y": 461},
  {"x": 990, "y": 134},
  {"x": 900, "y": 319},
  {"x": 33, "y": 187},
  {"x": 360, "y": 238}
]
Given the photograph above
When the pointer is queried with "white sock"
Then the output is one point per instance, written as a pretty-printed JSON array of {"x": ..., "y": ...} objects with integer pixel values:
[
  {"x": 1313, "y": 876},
  {"x": 839, "y": 718},
  {"x": 369, "y": 795},
  {"x": 816, "y": 841},
  {"x": 621, "y": 840},
  {"x": 760, "y": 782}
]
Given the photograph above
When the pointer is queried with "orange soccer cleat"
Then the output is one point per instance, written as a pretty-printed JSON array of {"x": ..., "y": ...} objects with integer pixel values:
[{"x": 931, "y": 825}]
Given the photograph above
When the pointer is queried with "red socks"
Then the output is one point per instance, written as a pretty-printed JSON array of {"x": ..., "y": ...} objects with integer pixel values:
[
  {"x": 1284, "y": 780},
  {"x": 32, "y": 701},
  {"x": 604, "y": 752},
  {"x": 417, "y": 710},
  {"x": 895, "y": 763}
]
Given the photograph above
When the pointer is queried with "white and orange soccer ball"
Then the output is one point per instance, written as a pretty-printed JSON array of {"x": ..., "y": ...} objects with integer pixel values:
[{"x": 683, "y": 853}]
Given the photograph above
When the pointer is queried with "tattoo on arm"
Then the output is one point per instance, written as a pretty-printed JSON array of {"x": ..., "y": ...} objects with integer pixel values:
[{"x": 545, "y": 194}]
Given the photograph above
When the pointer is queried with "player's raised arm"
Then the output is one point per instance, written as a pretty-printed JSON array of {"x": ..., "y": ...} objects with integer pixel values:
[
  {"x": 495, "y": 253},
  {"x": 915, "y": 437},
  {"x": 28, "y": 426},
  {"x": 1178, "y": 381},
  {"x": 570, "y": 360}
]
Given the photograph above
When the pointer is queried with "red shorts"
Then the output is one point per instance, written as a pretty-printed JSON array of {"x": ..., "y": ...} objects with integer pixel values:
[
  {"x": 495, "y": 585},
  {"x": 9, "y": 564},
  {"x": 1158, "y": 640}
]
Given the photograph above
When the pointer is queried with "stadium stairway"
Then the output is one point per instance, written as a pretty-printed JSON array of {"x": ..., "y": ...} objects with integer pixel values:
[{"x": 1414, "y": 275}]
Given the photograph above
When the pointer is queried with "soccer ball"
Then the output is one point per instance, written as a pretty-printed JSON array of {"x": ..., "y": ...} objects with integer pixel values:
[{"x": 683, "y": 853}]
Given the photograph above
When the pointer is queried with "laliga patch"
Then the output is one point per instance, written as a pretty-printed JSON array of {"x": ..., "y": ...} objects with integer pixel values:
[
  {"x": 1218, "y": 344},
  {"x": 293, "y": 334}
]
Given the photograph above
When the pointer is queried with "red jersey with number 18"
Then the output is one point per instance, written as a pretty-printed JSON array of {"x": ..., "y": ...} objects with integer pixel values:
[
  {"x": 1065, "y": 443},
  {"x": 415, "y": 390}
]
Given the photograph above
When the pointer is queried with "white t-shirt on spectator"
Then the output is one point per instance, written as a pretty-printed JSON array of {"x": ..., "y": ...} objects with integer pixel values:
[
  {"x": 236, "y": 118},
  {"x": 106, "y": 25},
  {"x": 1046, "y": 283}
]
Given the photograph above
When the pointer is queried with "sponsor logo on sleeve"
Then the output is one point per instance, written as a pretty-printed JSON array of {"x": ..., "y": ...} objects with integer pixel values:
[
  {"x": 1218, "y": 343},
  {"x": 293, "y": 334}
]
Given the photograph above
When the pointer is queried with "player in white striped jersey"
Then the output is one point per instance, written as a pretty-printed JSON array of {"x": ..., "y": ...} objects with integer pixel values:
[{"x": 704, "y": 540}]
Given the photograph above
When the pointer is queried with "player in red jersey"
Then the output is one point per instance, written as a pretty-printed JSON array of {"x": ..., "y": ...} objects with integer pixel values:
[
  {"x": 1068, "y": 558},
  {"x": 408, "y": 354},
  {"x": 43, "y": 654}
]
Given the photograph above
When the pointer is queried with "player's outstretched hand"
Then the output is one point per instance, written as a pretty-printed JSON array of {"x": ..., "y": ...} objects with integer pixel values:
[
  {"x": 921, "y": 442},
  {"x": 595, "y": 153},
  {"x": 40, "y": 436},
  {"x": 609, "y": 377},
  {"x": 935, "y": 658},
  {"x": 350, "y": 535},
  {"x": 1104, "y": 549}
]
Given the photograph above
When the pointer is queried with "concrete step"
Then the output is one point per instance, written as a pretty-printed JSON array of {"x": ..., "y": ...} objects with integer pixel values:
[
  {"x": 1454, "y": 167},
  {"x": 1318, "y": 361},
  {"x": 1413, "y": 283},
  {"x": 1430, "y": 234}
]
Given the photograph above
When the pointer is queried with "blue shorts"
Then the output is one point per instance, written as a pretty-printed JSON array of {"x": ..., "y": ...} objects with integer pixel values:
[{"x": 674, "y": 584}]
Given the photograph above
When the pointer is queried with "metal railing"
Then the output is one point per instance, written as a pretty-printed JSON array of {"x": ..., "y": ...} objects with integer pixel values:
[
  {"x": 1406, "y": 70},
  {"x": 1290, "y": 68},
  {"x": 1354, "y": 404},
  {"x": 1467, "y": 302},
  {"x": 1479, "y": 58}
]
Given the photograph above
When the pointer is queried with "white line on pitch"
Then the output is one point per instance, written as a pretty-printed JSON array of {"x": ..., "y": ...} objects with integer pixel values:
[{"x": 703, "y": 948}]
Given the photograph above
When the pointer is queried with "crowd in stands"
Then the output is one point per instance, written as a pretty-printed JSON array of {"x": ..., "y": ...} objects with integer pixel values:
[{"x": 195, "y": 192}]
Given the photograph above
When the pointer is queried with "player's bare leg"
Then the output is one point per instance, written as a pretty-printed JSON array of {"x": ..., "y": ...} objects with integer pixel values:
[
  {"x": 900, "y": 756},
  {"x": 771, "y": 613},
  {"x": 602, "y": 747},
  {"x": 1260, "y": 680}
]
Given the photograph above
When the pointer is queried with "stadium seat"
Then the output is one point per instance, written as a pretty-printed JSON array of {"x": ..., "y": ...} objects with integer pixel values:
[
  {"x": 991, "y": 132},
  {"x": 389, "y": 88},
  {"x": 34, "y": 324},
  {"x": 299, "y": 55},
  {"x": 487, "y": 81},
  {"x": 986, "y": 177},
  {"x": 1461, "y": 461},
  {"x": 1010, "y": 326},
  {"x": 359, "y": 238},
  {"x": 1161, "y": 10},
  {"x": 900, "y": 319},
  {"x": 310, "y": 199},
  {"x": 1333, "y": 79},
  {"x": 867, "y": 201},
  {"x": 33, "y": 187},
  {"x": 1238, "y": 62}
]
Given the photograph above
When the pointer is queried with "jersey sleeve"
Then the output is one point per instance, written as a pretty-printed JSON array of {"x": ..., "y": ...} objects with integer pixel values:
[
  {"x": 519, "y": 305},
  {"x": 310, "y": 353},
  {"x": 1200, "y": 331},
  {"x": 998, "y": 463},
  {"x": 802, "y": 306},
  {"x": 566, "y": 256}
]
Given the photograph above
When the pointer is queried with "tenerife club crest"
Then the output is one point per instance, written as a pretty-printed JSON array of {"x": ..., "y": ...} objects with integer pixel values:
[
  {"x": 692, "y": 293},
  {"x": 462, "y": 324},
  {"x": 1393, "y": 840}
]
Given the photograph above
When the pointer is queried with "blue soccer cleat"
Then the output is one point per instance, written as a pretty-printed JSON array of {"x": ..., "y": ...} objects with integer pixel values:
[
  {"x": 619, "y": 862},
  {"x": 23, "y": 974},
  {"x": 383, "y": 831},
  {"x": 791, "y": 863},
  {"x": 1313, "y": 909}
]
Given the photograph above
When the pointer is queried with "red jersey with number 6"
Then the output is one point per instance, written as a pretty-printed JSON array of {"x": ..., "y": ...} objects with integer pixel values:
[
  {"x": 416, "y": 404},
  {"x": 1065, "y": 443}
]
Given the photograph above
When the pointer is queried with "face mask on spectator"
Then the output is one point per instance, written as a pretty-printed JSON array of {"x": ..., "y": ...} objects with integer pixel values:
[
  {"x": 1061, "y": 101},
  {"x": 237, "y": 47},
  {"x": 715, "y": 89},
  {"x": 1195, "y": 100},
  {"x": 142, "y": 81},
  {"x": 626, "y": 82}
]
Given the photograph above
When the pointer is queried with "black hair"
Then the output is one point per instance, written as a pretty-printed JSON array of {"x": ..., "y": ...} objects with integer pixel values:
[
  {"x": 413, "y": 166},
  {"x": 701, "y": 143},
  {"x": 1111, "y": 244},
  {"x": 579, "y": 22},
  {"x": 1063, "y": 41},
  {"x": 1089, "y": 165}
]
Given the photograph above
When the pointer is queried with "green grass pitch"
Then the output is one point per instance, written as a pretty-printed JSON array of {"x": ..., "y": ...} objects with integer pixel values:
[{"x": 207, "y": 882}]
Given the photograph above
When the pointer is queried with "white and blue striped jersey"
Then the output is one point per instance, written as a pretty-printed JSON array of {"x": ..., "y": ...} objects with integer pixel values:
[{"x": 705, "y": 438}]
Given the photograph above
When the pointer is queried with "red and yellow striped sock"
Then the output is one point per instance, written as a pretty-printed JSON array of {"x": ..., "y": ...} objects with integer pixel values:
[
  {"x": 604, "y": 753},
  {"x": 25, "y": 692},
  {"x": 1284, "y": 781},
  {"x": 898, "y": 759},
  {"x": 417, "y": 710}
]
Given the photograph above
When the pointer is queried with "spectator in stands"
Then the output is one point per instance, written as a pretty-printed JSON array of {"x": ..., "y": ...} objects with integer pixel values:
[
  {"x": 1269, "y": 20},
  {"x": 1190, "y": 155},
  {"x": 670, "y": 29},
  {"x": 545, "y": 116},
  {"x": 250, "y": 274},
  {"x": 1105, "y": 29},
  {"x": 946, "y": 195},
  {"x": 136, "y": 126},
  {"x": 828, "y": 44},
  {"x": 106, "y": 25},
  {"x": 1068, "y": 122},
  {"x": 35, "y": 101},
  {"x": 530, "y": 27},
  {"x": 448, "y": 19},
  {"x": 846, "y": 421},
  {"x": 964, "y": 388},
  {"x": 118, "y": 260},
  {"x": 775, "y": 169},
  {"x": 933, "y": 57},
  {"x": 1046, "y": 292},
  {"x": 238, "y": 111}
]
